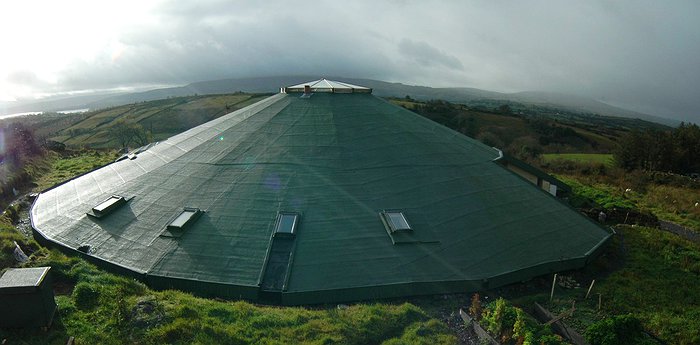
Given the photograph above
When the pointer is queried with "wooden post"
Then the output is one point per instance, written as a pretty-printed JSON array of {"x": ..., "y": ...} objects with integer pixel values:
[
  {"x": 551, "y": 294},
  {"x": 590, "y": 288},
  {"x": 600, "y": 299}
]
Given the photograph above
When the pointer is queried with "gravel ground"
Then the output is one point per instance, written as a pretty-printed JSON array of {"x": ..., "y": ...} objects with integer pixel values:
[
  {"x": 24, "y": 225},
  {"x": 465, "y": 335}
]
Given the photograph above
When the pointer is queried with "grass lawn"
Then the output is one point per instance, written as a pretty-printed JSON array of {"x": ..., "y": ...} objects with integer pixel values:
[
  {"x": 606, "y": 159},
  {"x": 658, "y": 284},
  {"x": 673, "y": 204},
  {"x": 670, "y": 203},
  {"x": 603, "y": 195},
  {"x": 101, "y": 308},
  {"x": 63, "y": 168},
  {"x": 645, "y": 272}
]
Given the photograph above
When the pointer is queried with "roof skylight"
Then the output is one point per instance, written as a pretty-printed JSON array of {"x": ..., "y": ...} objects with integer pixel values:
[
  {"x": 108, "y": 206},
  {"x": 395, "y": 220},
  {"x": 286, "y": 223},
  {"x": 186, "y": 217}
]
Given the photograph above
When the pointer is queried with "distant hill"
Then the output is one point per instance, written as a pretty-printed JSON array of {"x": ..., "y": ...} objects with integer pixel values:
[
  {"x": 224, "y": 86},
  {"x": 156, "y": 120},
  {"x": 543, "y": 99},
  {"x": 381, "y": 88},
  {"x": 52, "y": 104},
  {"x": 574, "y": 103}
]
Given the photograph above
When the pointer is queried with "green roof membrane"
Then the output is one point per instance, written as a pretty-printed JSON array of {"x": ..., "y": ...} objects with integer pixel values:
[{"x": 338, "y": 162}]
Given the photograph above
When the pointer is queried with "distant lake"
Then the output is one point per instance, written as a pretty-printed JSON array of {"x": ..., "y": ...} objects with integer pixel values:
[{"x": 71, "y": 111}]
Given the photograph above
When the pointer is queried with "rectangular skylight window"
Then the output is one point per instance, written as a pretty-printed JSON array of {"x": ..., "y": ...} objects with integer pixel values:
[
  {"x": 396, "y": 221},
  {"x": 286, "y": 223},
  {"x": 187, "y": 216},
  {"x": 108, "y": 206}
]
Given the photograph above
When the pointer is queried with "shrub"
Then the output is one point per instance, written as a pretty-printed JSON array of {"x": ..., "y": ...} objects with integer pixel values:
[
  {"x": 551, "y": 339},
  {"x": 519, "y": 327},
  {"x": 616, "y": 330},
  {"x": 475, "y": 307},
  {"x": 508, "y": 323},
  {"x": 12, "y": 213},
  {"x": 86, "y": 295},
  {"x": 493, "y": 318}
]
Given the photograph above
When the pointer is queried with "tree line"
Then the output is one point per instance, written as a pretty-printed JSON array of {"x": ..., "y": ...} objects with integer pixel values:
[{"x": 677, "y": 150}]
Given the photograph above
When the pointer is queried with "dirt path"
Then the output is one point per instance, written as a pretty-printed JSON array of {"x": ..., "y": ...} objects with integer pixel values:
[
  {"x": 679, "y": 230},
  {"x": 23, "y": 224}
]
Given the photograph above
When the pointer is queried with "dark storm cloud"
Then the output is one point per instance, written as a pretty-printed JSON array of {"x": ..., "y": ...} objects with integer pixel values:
[{"x": 642, "y": 55}]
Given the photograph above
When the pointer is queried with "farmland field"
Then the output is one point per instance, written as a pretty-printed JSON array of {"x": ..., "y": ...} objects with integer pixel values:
[{"x": 606, "y": 159}]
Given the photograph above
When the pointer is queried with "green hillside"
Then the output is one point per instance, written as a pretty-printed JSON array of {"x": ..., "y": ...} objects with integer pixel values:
[
  {"x": 504, "y": 125},
  {"x": 157, "y": 120},
  {"x": 525, "y": 136}
]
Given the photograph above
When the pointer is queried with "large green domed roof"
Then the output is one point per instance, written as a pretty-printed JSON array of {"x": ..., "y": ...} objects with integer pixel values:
[{"x": 321, "y": 198}]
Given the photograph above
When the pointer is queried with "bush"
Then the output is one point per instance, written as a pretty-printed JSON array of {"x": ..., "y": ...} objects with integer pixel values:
[
  {"x": 616, "y": 330},
  {"x": 86, "y": 295},
  {"x": 551, "y": 339},
  {"x": 493, "y": 318},
  {"x": 12, "y": 213},
  {"x": 508, "y": 323}
]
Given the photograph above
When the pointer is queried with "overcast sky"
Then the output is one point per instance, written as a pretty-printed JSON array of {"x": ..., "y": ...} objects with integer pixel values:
[{"x": 642, "y": 55}]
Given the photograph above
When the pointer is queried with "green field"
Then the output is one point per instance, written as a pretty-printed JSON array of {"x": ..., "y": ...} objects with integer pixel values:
[
  {"x": 598, "y": 158},
  {"x": 160, "y": 119},
  {"x": 645, "y": 272},
  {"x": 517, "y": 133},
  {"x": 64, "y": 167},
  {"x": 671, "y": 203},
  {"x": 658, "y": 283},
  {"x": 101, "y": 308}
]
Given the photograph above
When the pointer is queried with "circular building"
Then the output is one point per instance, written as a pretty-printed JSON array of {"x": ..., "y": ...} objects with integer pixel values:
[{"x": 321, "y": 193}]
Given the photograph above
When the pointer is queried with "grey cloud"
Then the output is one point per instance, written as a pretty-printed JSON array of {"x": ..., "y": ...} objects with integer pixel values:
[
  {"x": 198, "y": 51},
  {"x": 24, "y": 77},
  {"x": 427, "y": 55},
  {"x": 640, "y": 54}
]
